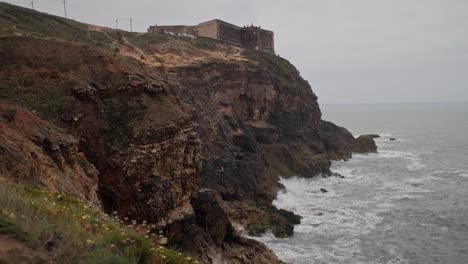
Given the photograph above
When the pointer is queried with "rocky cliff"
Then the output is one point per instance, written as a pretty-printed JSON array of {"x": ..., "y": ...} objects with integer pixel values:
[{"x": 188, "y": 134}]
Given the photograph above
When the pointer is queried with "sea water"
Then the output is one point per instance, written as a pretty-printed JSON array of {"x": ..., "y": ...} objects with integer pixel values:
[{"x": 406, "y": 204}]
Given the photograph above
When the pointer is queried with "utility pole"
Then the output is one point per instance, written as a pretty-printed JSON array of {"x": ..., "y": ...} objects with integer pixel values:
[
  {"x": 32, "y": 5},
  {"x": 131, "y": 25},
  {"x": 65, "y": 7},
  {"x": 116, "y": 24}
]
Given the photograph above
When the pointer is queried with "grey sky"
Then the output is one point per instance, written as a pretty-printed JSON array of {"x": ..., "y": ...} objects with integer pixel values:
[{"x": 351, "y": 51}]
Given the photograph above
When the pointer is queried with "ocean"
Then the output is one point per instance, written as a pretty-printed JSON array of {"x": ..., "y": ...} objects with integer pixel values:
[{"x": 406, "y": 204}]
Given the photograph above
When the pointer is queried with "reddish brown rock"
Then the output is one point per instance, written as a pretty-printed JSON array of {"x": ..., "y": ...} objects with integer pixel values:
[{"x": 36, "y": 152}]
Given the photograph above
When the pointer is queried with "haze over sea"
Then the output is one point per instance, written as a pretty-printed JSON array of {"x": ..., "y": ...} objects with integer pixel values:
[{"x": 406, "y": 204}]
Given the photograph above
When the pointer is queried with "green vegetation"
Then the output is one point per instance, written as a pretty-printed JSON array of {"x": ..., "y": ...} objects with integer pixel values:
[
  {"x": 51, "y": 102},
  {"x": 272, "y": 62},
  {"x": 16, "y": 20},
  {"x": 144, "y": 40},
  {"x": 120, "y": 113},
  {"x": 72, "y": 232},
  {"x": 206, "y": 43}
]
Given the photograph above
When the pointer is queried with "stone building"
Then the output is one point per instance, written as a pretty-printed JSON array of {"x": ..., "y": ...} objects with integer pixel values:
[{"x": 249, "y": 37}]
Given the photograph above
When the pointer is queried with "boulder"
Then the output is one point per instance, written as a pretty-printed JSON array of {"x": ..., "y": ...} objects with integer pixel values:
[
  {"x": 338, "y": 141},
  {"x": 364, "y": 144}
]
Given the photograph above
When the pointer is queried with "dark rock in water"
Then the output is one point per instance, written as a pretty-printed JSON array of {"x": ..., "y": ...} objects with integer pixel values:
[
  {"x": 392, "y": 139},
  {"x": 334, "y": 174},
  {"x": 322, "y": 190},
  {"x": 365, "y": 144},
  {"x": 209, "y": 234},
  {"x": 279, "y": 221},
  {"x": 9, "y": 114},
  {"x": 338, "y": 141}
]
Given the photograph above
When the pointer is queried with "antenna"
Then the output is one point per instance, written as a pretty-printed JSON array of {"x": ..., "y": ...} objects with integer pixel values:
[
  {"x": 131, "y": 25},
  {"x": 65, "y": 7}
]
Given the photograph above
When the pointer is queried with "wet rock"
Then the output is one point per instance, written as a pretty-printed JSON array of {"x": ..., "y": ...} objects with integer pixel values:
[
  {"x": 279, "y": 221},
  {"x": 337, "y": 140},
  {"x": 323, "y": 190},
  {"x": 337, "y": 175},
  {"x": 392, "y": 139},
  {"x": 210, "y": 237},
  {"x": 364, "y": 144}
]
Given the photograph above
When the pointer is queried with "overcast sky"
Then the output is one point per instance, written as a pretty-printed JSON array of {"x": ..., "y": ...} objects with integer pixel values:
[{"x": 351, "y": 51}]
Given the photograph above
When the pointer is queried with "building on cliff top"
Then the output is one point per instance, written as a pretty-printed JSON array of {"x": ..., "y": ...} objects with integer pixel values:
[{"x": 249, "y": 37}]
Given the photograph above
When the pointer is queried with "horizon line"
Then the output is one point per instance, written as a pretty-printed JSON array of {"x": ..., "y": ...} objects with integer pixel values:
[{"x": 406, "y": 102}]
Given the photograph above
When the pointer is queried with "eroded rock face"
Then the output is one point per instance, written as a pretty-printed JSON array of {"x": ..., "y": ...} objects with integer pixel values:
[
  {"x": 142, "y": 140},
  {"x": 36, "y": 152},
  {"x": 365, "y": 144},
  {"x": 255, "y": 124},
  {"x": 211, "y": 226},
  {"x": 337, "y": 140}
]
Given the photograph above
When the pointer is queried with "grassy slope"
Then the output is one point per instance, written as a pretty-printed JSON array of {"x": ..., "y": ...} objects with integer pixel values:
[
  {"x": 16, "y": 20},
  {"x": 22, "y": 21},
  {"x": 75, "y": 233}
]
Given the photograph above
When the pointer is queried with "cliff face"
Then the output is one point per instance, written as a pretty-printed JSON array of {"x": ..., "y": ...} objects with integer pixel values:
[
  {"x": 34, "y": 151},
  {"x": 190, "y": 135},
  {"x": 255, "y": 124},
  {"x": 142, "y": 140}
]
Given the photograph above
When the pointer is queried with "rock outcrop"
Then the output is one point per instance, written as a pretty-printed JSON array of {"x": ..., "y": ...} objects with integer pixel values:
[
  {"x": 337, "y": 140},
  {"x": 365, "y": 144},
  {"x": 211, "y": 226},
  {"x": 36, "y": 152}
]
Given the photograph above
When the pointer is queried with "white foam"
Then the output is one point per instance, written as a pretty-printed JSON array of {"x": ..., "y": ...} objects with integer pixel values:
[
  {"x": 415, "y": 162},
  {"x": 461, "y": 173},
  {"x": 323, "y": 217},
  {"x": 355, "y": 206}
]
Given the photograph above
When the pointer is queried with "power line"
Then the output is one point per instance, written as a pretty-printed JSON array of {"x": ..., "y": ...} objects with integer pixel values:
[{"x": 130, "y": 21}]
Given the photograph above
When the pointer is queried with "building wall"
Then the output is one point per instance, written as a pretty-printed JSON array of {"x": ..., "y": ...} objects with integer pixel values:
[
  {"x": 229, "y": 33},
  {"x": 247, "y": 37},
  {"x": 208, "y": 29},
  {"x": 266, "y": 40},
  {"x": 250, "y": 38}
]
